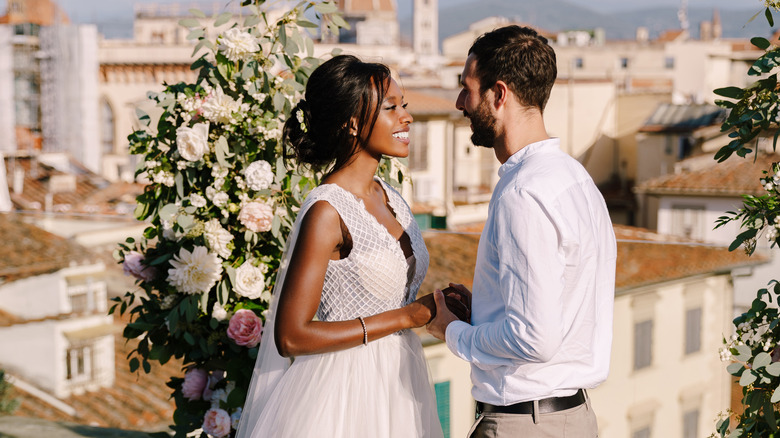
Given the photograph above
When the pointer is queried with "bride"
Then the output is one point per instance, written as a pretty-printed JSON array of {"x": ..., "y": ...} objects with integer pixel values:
[{"x": 337, "y": 357}]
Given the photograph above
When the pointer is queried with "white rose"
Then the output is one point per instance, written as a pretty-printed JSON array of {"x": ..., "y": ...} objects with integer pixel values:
[
  {"x": 250, "y": 280},
  {"x": 193, "y": 142},
  {"x": 259, "y": 175}
]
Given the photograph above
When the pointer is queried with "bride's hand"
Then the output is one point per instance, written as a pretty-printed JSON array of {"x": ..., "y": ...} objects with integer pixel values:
[{"x": 423, "y": 310}]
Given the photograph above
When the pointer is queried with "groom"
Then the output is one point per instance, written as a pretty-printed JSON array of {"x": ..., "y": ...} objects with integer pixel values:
[{"x": 544, "y": 279}]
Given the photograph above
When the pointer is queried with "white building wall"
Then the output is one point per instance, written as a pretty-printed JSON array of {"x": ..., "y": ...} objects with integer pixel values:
[
  {"x": 35, "y": 297},
  {"x": 34, "y": 351},
  {"x": 88, "y": 130},
  {"x": 446, "y": 367},
  {"x": 674, "y": 382},
  {"x": 712, "y": 209},
  {"x": 7, "y": 112}
]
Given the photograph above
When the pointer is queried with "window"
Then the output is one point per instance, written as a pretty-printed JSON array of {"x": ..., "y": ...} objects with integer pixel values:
[
  {"x": 669, "y": 62},
  {"x": 442, "y": 390},
  {"x": 692, "y": 330},
  {"x": 107, "y": 128},
  {"x": 688, "y": 221},
  {"x": 691, "y": 424},
  {"x": 79, "y": 363},
  {"x": 579, "y": 63},
  {"x": 624, "y": 63},
  {"x": 418, "y": 147},
  {"x": 641, "y": 433},
  {"x": 643, "y": 343}
]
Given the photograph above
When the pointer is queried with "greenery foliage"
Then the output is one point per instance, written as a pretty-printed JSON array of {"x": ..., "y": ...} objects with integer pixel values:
[
  {"x": 220, "y": 203},
  {"x": 754, "y": 350},
  {"x": 7, "y": 404}
]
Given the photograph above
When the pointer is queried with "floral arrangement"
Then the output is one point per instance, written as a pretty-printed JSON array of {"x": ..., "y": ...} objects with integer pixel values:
[
  {"x": 220, "y": 203},
  {"x": 754, "y": 350}
]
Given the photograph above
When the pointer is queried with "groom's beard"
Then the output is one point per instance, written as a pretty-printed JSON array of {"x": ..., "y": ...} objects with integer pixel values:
[{"x": 483, "y": 125}]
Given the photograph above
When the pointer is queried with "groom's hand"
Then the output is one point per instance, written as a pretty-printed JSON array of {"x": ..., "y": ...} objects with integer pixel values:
[
  {"x": 438, "y": 326},
  {"x": 459, "y": 301}
]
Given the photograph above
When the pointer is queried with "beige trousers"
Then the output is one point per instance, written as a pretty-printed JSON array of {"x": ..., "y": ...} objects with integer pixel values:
[{"x": 577, "y": 422}]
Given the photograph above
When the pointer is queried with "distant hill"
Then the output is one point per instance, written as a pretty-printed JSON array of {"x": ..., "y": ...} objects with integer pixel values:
[
  {"x": 552, "y": 15},
  {"x": 557, "y": 15}
]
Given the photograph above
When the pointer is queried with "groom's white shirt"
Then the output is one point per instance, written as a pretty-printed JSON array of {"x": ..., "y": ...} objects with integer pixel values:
[{"x": 543, "y": 284}]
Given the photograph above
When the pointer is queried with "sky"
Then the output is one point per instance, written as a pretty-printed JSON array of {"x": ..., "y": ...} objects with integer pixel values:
[{"x": 86, "y": 11}]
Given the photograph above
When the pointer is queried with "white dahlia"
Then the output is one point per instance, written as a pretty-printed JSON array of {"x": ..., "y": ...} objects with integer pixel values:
[{"x": 194, "y": 272}]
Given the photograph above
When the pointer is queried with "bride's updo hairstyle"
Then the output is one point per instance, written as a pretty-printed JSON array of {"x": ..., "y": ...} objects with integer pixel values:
[{"x": 342, "y": 88}]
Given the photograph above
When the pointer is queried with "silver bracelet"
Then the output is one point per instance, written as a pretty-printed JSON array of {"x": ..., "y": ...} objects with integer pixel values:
[{"x": 365, "y": 331}]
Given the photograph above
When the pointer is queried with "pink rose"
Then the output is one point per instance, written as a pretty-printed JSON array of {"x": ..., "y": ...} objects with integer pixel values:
[
  {"x": 194, "y": 382},
  {"x": 133, "y": 265},
  {"x": 245, "y": 328},
  {"x": 216, "y": 422},
  {"x": 256, "y": 216}
]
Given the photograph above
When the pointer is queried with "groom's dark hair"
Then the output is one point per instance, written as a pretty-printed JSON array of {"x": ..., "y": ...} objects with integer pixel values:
[{"x": 521, "y": 58}]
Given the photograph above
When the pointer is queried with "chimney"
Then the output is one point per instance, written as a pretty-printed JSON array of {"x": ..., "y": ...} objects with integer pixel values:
[{"x": 18, "y": 180}]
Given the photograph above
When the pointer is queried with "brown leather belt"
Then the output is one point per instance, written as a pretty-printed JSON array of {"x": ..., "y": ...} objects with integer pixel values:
[{"x": 546, "y": 405}]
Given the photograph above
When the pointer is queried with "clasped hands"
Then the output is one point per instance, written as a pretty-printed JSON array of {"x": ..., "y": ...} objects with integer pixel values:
[{"x": 444, "y": 306}]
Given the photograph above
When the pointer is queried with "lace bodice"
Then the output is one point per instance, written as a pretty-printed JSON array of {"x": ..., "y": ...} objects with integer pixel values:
[{"x": 373, "y": 278}]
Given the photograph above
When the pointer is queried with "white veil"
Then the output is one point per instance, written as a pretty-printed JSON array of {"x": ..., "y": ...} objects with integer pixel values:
[{"x": 269, "y": 366}]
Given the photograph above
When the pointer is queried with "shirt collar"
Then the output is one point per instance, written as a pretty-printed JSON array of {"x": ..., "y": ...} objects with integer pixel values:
[{"x": 518, "y": 157}]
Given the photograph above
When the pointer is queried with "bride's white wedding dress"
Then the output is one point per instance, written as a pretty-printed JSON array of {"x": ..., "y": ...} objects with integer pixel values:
[{"x": 380, "y": 390}]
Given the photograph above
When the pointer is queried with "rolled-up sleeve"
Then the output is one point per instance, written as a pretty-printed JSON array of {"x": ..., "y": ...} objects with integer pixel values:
[{"x": 524, "y": 250}]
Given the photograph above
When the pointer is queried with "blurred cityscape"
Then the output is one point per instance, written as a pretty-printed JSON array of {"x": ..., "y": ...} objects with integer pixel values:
[{"x": 637, "y": 112}]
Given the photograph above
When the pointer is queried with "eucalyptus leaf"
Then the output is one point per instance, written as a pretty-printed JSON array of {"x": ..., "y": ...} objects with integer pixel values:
[
  {"x": 735, "y": 369},
  {"x": 197, "y": 12},
  {"x": 748, "y": 377},
  {"x": 773, "y": 369},
  {"x": 223, "y": 18},
  {"x": 142, "y": 116},
  {"x": 189, "y": 22},
  {"x": 168, "y": 212},
  {"x": 251, "y": 21},
  {"x": 775, "y": 395},
  {"x": 326, "y": 8},
  {"x": 761, "y": 360},
  {"x": 185, "y": 221}
]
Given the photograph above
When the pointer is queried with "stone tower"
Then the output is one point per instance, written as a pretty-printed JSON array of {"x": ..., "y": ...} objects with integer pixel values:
[{"x": 426, "y": 28}]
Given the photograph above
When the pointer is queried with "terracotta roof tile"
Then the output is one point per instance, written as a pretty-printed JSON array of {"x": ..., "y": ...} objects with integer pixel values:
[
  {"x": 422, "y": 102},
  {"x": 29, "y": 250},
  {"x": 82, "y": 191},
  {"x": 733, "y": 177},
  {"x": 644, "y": 258}
]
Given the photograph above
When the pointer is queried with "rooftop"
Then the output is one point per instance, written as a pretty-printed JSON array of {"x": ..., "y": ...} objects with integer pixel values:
[
  {"x": 57, "y": 183},
  {"x": 644, "y": 258},
  {"x": 669, "y": 117},
  {"x": 703, "y": 176},
  {"x": 29, "y": 250}
]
